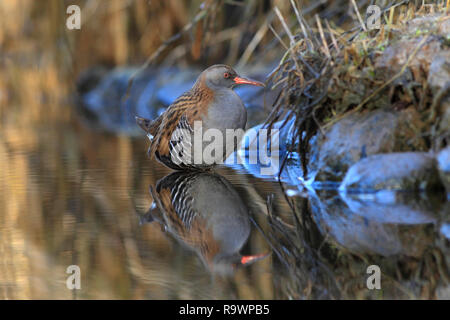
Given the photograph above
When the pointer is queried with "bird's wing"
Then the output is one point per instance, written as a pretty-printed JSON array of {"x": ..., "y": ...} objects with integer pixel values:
[
  {"x": 192, "y": 105},
  {"x": 173, "y": 196}
]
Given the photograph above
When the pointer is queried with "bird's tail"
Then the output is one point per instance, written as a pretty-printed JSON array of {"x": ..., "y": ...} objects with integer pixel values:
[{"x": 145, "y": 124}]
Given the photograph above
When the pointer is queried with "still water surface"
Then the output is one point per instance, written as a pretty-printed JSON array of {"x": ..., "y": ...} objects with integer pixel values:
[{"x": 74, "y": 196}]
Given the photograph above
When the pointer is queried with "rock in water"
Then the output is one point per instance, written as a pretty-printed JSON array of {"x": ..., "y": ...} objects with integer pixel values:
[
  {"x": 360, "y": 135},
  {"x": 103, "y": 103},
  {"x": 413, "y": 171},
  {"x": 443, "y": 160}
]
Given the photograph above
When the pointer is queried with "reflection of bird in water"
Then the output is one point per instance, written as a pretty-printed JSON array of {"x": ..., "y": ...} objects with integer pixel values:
[
  {"x": 211, "y": 101},
  {"x": 205, "y": 212}
]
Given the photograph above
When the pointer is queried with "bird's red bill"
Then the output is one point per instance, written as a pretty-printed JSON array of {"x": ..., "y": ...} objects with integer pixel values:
[
  {"x": 250, "y": 259},
  {"x": 239, "y": 80}
]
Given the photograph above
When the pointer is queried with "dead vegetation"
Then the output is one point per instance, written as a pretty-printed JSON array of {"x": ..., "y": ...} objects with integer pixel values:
[{"x": 328, "y": 73}]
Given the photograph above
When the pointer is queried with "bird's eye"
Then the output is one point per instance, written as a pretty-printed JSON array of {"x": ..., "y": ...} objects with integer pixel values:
[{"x": 226, "y": 75}]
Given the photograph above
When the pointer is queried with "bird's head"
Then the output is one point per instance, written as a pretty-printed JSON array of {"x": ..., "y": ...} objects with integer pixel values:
[{"x": 221, "y": 76}]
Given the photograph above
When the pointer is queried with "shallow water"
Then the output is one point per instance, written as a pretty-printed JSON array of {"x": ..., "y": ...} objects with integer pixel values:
[{"x": 73, "y": 196}]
